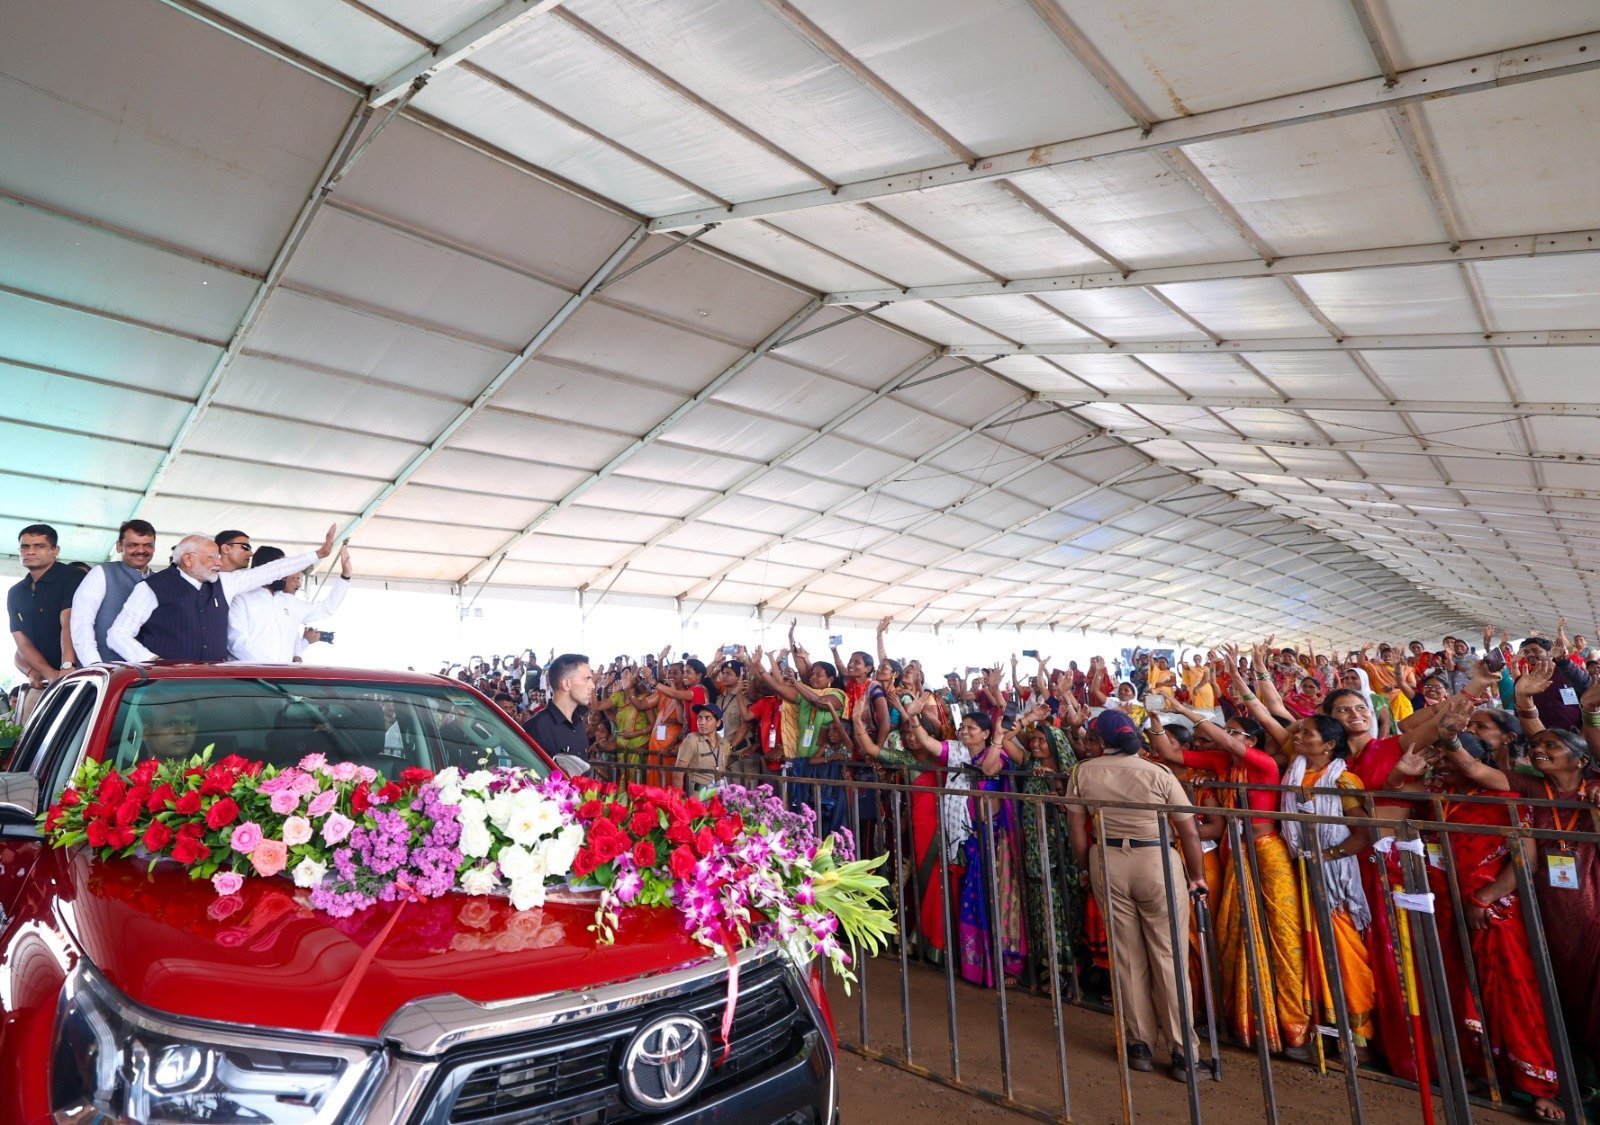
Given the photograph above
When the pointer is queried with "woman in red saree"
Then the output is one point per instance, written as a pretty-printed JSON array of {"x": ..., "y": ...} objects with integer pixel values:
[{"x": 1512, "y": 1015}]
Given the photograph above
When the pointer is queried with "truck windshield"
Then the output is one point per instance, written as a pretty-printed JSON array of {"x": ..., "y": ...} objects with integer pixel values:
[{"x": 385, "y": 726}]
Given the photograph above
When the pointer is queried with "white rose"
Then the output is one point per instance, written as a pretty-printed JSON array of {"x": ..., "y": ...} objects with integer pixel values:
[
  {"x": 449, "y": 776},
  {"x": 471, "y": 810},
  {"x": 308, "y": 872},
  {"x": 477, "y": 781},
  {"x": 500, "y": 808},
  {"x": 480, "y": 881},
  {"x": 516, "y": 862},
  {"x": 562, "y": 848},
  {"x": 476, "y": 840},
  {"x": 527, "y": 893}
]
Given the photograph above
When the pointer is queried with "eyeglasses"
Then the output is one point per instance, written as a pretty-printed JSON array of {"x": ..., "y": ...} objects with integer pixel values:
[{"x": 245, "y": 547}]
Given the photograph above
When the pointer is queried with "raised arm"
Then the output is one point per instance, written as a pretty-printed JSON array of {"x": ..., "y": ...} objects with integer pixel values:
[
  {"x": 883, "y": 627},
  {"x": 913, "y": 731}
]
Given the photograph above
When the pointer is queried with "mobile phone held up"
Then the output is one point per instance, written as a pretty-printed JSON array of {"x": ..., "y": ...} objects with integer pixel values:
[
  {"x": 1031, "y": 653},
  {"x": 730, "y": 650},
  {"x": 1013, "y": 709},
  {"x": 835, "y": 641},
  {"x": 324, "y": 636},
  {"x": 1494, "y": 660}
]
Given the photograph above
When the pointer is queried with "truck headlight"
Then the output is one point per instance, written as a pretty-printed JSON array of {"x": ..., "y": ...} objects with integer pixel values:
[{"x": 114, "y": 1061}]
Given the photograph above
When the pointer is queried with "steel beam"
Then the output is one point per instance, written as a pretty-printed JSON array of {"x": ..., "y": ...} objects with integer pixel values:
[
  {"x": 1428, "y": 341},
  {"x": 337, "y": 160},
  {"x": 1374, "y": 445},
  {"x": 1368, "y": 406},
  {"x": 478, "y": 34},
  {"x": 560, "y": 317},
  {"x": 576, "y": 492},
  {"x": 1462, "y": 76},
  {"x": 1464, "y": 486},
  {"x": 1381, "y": 257}
]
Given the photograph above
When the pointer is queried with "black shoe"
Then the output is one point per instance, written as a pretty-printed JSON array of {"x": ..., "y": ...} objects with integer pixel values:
[
  {"x": 1139, "y": 1057},
  {"x": 1180, "y": 1068}
]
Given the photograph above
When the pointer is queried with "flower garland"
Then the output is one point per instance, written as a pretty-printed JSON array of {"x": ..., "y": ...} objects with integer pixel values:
[{"x": 737, "y": 865}]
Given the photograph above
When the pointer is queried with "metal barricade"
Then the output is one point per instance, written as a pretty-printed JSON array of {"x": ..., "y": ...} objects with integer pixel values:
[{"x": 1017, "y": 847}]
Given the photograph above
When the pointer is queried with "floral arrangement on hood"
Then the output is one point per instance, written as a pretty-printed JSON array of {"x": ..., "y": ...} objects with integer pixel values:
[{"x": 732, "y": 861}]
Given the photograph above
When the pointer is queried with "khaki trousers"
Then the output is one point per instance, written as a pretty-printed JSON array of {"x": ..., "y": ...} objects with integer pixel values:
[{"x": 1131, "y": 886}]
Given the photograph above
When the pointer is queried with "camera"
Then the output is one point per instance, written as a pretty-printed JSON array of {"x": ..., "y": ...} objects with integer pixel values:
[{"x": 324, "y": 636}]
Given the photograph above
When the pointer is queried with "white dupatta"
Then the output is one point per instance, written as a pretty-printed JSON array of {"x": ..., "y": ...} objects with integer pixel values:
[
  {"x": 954, "y": 808},
  {"x": 1342, "y": 877}
]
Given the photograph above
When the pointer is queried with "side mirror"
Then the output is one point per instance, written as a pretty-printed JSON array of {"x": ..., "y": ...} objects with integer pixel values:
[
  {"x": 571, "y": 765},
  {"x": 19, "y": 799}
]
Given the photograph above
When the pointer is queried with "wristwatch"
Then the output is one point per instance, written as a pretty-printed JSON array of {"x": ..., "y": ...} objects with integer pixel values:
[{"x": 68, "y": 666}]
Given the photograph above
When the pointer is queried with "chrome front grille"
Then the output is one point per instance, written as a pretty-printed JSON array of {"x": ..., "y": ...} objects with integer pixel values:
[{"x": 569, "y": 1073}]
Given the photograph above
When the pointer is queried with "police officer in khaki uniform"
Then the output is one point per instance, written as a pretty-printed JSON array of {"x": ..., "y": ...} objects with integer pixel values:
[{"x": 1129, "y": 870}]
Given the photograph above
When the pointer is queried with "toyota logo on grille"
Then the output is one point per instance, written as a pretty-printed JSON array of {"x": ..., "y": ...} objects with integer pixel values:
[{"x": 665, "y": 1062}]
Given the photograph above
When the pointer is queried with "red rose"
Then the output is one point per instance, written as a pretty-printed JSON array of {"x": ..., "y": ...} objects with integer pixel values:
[
  {"x": 583, "y": 863},
  {"x": 144, "y": 771},
  {"x": 251, "y": 769},
  {"x": 112, "y": 788},
  {"x": 160, "y": 797},
  {"x": 70, "y": 797},
  {"x": 682, "y": 863},
  {"x": 704, "y": 841},
  {"x": 727, "y": 829},
  {"x": 189, "y": 851},
  {"x": 233, "y": 762},
  {"x": 128, "y": 812},
  {"x": 222, "y": 813},
  {"x": 189, "y": 803},
  {"x": 389, "y": 794},
  {"x": 138, "y": 795},
  {"x": 617, "y": 812},
  {"x": 636, "y": 791},
  {"x": 157, "y": 836},
  {"x": 52, "y": 817},
  {"x": 119, "y": 837},
  {"x": 643, "y": 823},
  {"x": 679, "y": 832},
  {"x": 218, "y": 780},
  {"x": 608, "y": 848},
  {"x": 716, "y": 807},
  {"x": 413, "y": 776},
  {"x": 96, "y": 830},
  {"x": 591, "y": 810},
  {"x": 360, "y": 799},
  {"x": 695, "y": 807},
  {"x": 190, "y": 831},
  {"x": 644, "y": 854}
]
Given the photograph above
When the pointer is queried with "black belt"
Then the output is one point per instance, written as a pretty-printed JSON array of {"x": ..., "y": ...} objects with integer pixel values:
[{"x": 1122, "y": 841}]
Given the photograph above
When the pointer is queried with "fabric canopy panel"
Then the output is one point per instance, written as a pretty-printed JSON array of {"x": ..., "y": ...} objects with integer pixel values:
[{"x": 1174, "y": 322}]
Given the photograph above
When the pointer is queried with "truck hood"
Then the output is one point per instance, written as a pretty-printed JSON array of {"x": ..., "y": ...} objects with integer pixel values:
[{"x": 265, "y": 957}]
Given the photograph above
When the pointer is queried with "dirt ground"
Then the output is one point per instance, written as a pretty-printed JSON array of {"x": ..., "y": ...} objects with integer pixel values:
[{"x": 871, "y": 1091}]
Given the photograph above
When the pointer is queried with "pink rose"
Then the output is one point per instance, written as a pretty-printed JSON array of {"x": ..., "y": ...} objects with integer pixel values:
[
  {"x": 323, "y": 802},
  {"x": 344, "y": 771},
  {"x": 305, "y": 785},
  {"x": 313, "y": 761},
  {"x": 245, "y": 837},
  {"x": 296, "y": 830},
  {"x": 285, "y": 801},
  {"x": 227, "y": 882},
  {"x": 273, "y": 784},
  {"x": 336, "y": 828},
  {"x": 270, "y": 857},
  {"x": 367, "y": 774}
]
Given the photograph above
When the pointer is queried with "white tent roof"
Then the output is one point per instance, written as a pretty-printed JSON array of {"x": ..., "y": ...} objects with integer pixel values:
[{"x": 1161, "y": 319}]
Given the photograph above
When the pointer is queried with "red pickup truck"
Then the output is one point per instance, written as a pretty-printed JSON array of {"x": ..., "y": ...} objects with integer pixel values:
[{"x": 133, "y": 993}]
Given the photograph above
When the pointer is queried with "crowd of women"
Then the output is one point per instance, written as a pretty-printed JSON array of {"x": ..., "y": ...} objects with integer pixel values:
[{"x": 1385, "y": 734}]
